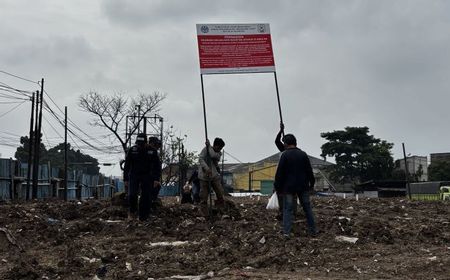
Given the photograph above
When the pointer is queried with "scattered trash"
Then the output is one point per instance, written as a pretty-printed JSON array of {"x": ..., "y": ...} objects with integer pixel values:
[
  {"x": 112, "y": 221},
  {"x": 95, "y": 278},
  {"x": 342, "y": 238},
  {"x": 433, "y": 258},
  {"x": 186, "y": 223},
  {"x": 93, "y": 260},
  {"x": 262, "y": 240},
  {"x": 128, "y": 266},
  {"x": 171, "y": 243},
  {"x": 10, "y": 237},
  {"x": 191, "y": 277},
  {"x": 52, "y": 221}
]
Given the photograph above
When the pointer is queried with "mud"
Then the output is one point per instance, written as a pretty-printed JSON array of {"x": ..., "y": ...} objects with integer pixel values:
[{"x": 397, "y": 239}]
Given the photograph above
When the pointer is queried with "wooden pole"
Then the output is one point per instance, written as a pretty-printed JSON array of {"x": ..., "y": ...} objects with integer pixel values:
[
  {"x": 65, "y": 154},
  {"x": 207, "y": 147},
  {"x": 36, "y": 147},
  {"x": 38, "y": 137},
  {"x": 406, "y": 172},
  {"x": 278, "y": 96},
  {"x": 30, "y": 148}
]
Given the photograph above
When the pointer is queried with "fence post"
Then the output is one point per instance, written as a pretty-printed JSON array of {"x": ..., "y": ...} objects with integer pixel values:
[
  {"x": 11, "y": 173},
  {"x": 78, "y": 190}
]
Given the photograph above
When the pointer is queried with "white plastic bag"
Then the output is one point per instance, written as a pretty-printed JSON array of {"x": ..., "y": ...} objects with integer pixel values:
[{"x": 273, "y": 202}]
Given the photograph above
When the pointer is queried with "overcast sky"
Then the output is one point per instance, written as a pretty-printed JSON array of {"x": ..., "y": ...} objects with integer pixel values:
[{"x": 381, "y": 64}]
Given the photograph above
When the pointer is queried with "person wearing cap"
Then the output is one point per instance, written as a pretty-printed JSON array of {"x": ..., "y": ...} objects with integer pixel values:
[
  {"x": 208, "y": 173},
  {"x": 140, "y": 172},
  {"x": 155, "y": 144}
]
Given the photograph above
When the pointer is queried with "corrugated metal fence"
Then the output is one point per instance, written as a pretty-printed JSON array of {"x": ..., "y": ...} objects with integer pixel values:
[{"x": 13, "y": 183}]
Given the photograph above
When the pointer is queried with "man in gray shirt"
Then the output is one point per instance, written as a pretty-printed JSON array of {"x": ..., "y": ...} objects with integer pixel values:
[{"x": 208, "y": 173}]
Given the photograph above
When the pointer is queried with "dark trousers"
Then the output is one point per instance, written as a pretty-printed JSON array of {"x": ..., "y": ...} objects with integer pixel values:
[
  {"x": 196, "y": 192},
  {"x": 144, "y": 183},
  {"x": 281, "y": 203},
  {"x": 288, "y": 211},
  {"x": 155, "y": 192}
]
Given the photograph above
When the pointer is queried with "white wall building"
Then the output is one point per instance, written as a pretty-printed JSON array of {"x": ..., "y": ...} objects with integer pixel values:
[{"x": 415, "y": 163}]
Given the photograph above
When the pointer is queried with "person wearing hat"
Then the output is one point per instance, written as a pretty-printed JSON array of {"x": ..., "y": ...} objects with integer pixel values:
[{"x": 142, "y": 167}]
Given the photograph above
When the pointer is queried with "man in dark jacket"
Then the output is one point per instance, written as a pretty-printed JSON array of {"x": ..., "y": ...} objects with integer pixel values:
[
  {"x": 294, "y": 176},
  {"x": 154, "y": 144},
  {"x": 142, "y": 171},
  {"x": 281, "y": 148}
]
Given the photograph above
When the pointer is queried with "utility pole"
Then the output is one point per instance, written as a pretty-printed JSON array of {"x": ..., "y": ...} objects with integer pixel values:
[
  {"x": 65, "y": 154},
  {"x": 36, "y": 146},
  {"x": 38, "y": 142},
  {"x": 30, "y": 148},
  {"x": 179, "y": 167},
  {"x": 406, "y": 172},
  {"x": 139, "y": 117},
  {"x": 161, "y": 120},
  {"x": 223, "y": 163}
]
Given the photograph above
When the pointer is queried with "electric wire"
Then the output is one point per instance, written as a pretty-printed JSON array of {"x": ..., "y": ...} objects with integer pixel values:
[
  {"x": 15, "y": 107},
  {"x": 18, "y": 77},
  {"x": 54, "y": 129},
  {"x": 72, "y": 123}
]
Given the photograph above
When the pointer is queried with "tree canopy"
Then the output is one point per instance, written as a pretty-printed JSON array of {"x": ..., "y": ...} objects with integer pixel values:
[
  {"x": 359, "y": 156},
  {"x": 55, "y": 155},
  {"x": 439, "y": 171}
]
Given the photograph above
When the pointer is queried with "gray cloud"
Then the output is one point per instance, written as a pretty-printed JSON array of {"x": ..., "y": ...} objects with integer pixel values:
[{"x": 382, "y": 64}]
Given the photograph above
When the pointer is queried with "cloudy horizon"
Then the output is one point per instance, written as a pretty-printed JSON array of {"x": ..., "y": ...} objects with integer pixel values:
[{"x": 380, "y": 64}]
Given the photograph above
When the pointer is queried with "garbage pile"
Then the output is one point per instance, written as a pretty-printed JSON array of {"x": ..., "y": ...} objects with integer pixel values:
[{"x": 368, "y": 238}]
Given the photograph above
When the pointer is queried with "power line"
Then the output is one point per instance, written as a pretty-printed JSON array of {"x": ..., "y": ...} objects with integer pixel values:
[
  {"x": 18, "y": 77},
  {"x": 54, "y": 129},
  {"x": 227, "y": 153},
  {"x": 2, "y": 94},
  {"x": 7, "y": 87},
  {"x": 12, "y": 109},
  {"x": 9, "y": 102},
  {"x": 69, "y": 120}
]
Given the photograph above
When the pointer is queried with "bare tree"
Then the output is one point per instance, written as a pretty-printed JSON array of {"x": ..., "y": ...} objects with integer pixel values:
[
  {"x": 176, "y": 159},
  {"x": 110, "y": 111}
]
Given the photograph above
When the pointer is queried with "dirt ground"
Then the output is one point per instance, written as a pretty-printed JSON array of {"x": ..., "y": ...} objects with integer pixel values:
[{"x": 396, "y": 239}]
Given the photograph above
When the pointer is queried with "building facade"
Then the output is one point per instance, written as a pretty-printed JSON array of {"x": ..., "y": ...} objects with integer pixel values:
[
  {"x": 440, "y": 157},
  {"x": 259, "y": 176},
  {"x": 417, "y": 165}
]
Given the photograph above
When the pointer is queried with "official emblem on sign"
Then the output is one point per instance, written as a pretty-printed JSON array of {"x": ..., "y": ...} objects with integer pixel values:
[
  {"x": 204, "y": 29},
  {"x": 261, "y": 28}
]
